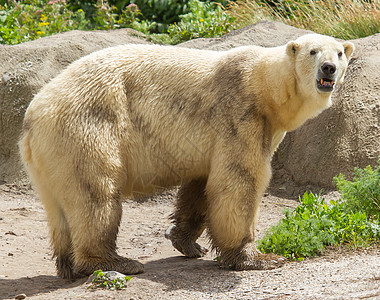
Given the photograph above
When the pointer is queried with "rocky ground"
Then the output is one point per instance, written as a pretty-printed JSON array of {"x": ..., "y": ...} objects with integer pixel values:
[{"x": 26, "y": 266}]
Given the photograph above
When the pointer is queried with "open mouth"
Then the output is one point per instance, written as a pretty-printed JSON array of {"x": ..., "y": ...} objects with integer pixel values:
[{"x": 325, "y": 85}]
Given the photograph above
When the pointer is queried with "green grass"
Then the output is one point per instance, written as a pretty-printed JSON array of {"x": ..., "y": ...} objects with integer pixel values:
[
  {"x": 344, "y": 19},
  {"x": 353, "y": 221}
]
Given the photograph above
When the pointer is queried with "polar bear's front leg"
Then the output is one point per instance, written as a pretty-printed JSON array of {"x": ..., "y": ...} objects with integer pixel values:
[{"x": 234, "y": 191}]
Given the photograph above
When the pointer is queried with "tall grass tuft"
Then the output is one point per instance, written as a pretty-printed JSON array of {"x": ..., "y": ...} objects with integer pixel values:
[{"x": 344, "y": 19}]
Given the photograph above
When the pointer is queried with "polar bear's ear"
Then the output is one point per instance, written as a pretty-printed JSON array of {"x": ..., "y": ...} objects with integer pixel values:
[
  {"x": 348, "y": 49},
  {"x": 292, "y": 48}
]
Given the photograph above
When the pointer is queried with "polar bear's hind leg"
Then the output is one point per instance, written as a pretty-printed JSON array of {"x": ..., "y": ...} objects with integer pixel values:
[{"x": 189, "y": 219}]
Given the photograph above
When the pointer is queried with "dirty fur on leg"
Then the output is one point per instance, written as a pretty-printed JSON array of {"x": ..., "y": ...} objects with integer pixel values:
[{"x": 189, "y": 219}]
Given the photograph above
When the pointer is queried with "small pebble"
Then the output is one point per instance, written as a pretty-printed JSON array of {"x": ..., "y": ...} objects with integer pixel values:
[{"x": 21, "y": 296}]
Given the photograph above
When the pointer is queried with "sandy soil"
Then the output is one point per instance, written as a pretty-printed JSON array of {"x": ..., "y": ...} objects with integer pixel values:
[{"x": 26, "y": 266}]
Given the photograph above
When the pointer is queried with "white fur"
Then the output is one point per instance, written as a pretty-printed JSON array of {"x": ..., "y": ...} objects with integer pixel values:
[{"x": 128, "y": 119}]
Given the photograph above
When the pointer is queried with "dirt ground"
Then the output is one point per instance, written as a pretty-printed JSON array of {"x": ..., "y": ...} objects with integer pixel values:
[{"x": 26, "y": 266}]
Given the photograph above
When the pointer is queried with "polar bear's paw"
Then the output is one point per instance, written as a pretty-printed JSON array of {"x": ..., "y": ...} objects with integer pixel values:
[
  {"x": 117, "y": 263},
  {"x": 249, "y": 258},
  {"x": 189, "y": 249},
  {"x": 261, "y": 262},
  {"x": 186, "y": 246}
]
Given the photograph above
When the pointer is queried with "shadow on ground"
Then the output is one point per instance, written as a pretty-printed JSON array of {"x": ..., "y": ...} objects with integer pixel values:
[
  {"x": 173, "y": 273},
  {"x": 181, "y": 273},
  {"x": 9, "y": 288}
]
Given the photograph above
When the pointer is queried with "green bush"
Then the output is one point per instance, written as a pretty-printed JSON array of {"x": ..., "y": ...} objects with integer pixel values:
[
  {"x": 203, "y": 20},
  {"x": 363, "y": 193},
  {"x": 29, "y": 20},
  {"x": 109, "y": 17},
  {"x": 161, "y": 12},
  {"x": 314, "y": 224},
  {"x": 106, "y": 15}
]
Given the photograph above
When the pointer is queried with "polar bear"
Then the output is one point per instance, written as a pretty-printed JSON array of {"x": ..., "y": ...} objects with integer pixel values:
[{"x": 128, "y": 120}]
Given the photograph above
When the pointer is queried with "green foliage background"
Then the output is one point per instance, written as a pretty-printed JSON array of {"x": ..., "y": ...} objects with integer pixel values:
[
  {"x": 169, "y": 21},
  {"x": 161, "y": 12},
  {"x": 174, "y": 21}
]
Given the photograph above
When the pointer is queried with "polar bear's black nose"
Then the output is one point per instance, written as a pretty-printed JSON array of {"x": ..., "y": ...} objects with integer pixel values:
[{"x": 328, "y": 68}]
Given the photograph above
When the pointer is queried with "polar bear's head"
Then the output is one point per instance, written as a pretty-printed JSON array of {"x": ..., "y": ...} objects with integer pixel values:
[{"x": 320, "y": 62}]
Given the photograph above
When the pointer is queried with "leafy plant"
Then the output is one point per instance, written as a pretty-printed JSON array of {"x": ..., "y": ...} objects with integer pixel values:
[
  {"x": 203, "y": 20},
  {"x": 314, "y": 224},
  {"x": 132, "y": 17},
  {"x": 161, "y": 13},
  {"x": 363, "y": 193},
  {"x": 103, "y": 280},
  {"x": 158, "y": 14},
  {"x": 29, "y": 20},
  {"x": 302, "y": 232}
]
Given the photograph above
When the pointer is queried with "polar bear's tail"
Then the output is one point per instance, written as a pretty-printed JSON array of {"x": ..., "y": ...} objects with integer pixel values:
[{"x": 24, "y": 143}]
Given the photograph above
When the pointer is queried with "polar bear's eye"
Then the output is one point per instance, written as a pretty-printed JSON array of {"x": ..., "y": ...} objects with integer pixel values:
[
  {"x": 340, "y": 54},
  {"x": 313, "y": 52}
]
